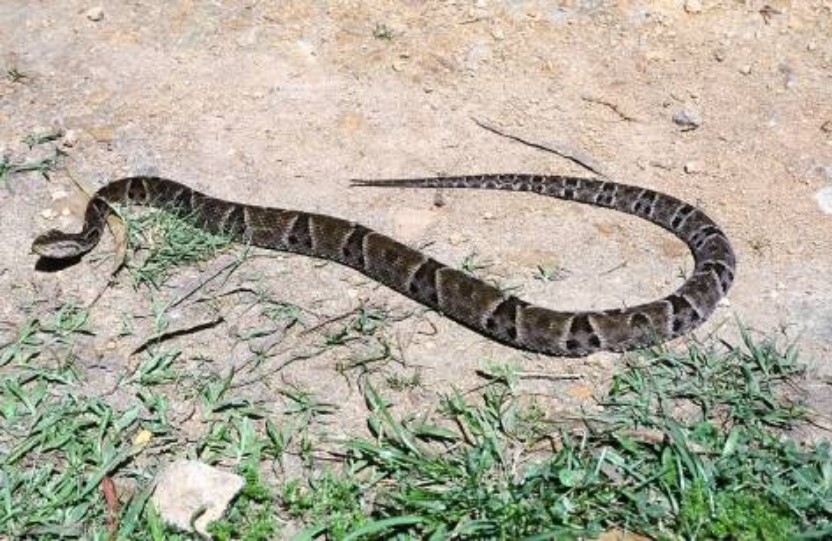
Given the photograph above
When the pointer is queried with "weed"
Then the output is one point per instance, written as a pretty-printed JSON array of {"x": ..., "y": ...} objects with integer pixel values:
[
  {"x": 400, "y": 382},
  {"x": 34, "y": 139},
  {"x": 550, "y": 273},
  {"x": 169, "y": 241},
  {"x": 251, "y": 518},
  {"x": 14, "y": 75},
  {"x": 365, "y": 323},
  {"x": 44, "y": 167},
  {"x": 383, "y": 32},
  {"x": 472, "y": 264}
]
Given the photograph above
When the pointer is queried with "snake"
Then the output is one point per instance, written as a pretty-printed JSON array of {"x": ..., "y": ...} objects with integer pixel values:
[{"x": 452, "y": 292}]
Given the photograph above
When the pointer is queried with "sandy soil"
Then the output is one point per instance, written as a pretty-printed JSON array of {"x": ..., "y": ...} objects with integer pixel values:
[{"x": 282, "y": 103}]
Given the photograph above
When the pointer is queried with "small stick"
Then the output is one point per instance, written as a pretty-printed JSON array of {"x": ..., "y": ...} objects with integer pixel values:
[{"x": 563, "y": 151}]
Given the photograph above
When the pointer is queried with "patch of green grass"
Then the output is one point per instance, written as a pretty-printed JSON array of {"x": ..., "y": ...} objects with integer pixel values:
[
  {"x": 743, "y": 516},
  {"x": 44, "y": 167},
  {"x": 252, "y": 517},
  {"x": 682, "y": 449},
  {"x": 366, "y": 322},
  {"x": 473, "y": 264},
  {"x": 401, "y": 382},
  {"x": 34, "y": 139},
  {"x": 167, "y": 241},
  {"x": 57, "y": 445},
  {"x": 14, "y": 75},
  {"x": 690, "y": 445},
  {"x": 328, "y": 500},
  {"x": 383, "y": 32},
  {"x": 550, "y": 273}
]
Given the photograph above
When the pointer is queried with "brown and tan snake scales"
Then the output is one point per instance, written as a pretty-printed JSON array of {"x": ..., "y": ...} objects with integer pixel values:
[{"x": 455, "y": 294}]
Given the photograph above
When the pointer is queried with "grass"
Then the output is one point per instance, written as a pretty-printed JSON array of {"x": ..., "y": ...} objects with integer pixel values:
[
  {"x": 158, "y": 242},
  {"x": 550, "y": 273},
  {"x": 383, "y": 32},
  {"x": 473, "y": 264},
  {"x": 14, "y": 75},
  {"x": 45, "y": 166},
  {"x": 691, "y": 444},
  {"x": 34, "y": 139}
]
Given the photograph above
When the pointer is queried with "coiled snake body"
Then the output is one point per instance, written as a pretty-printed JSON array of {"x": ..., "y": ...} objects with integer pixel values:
[{"x": 455, "y": 294}]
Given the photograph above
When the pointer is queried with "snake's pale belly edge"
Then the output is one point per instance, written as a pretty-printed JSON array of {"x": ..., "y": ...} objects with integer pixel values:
[{"x": 455, "y": 294}]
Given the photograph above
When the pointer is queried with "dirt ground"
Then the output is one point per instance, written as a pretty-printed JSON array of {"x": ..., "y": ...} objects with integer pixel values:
[{"x": 282, "y": 103}]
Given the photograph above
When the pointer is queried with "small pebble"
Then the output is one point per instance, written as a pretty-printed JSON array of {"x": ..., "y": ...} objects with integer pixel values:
[
  {"x": 456, "y": 239},
  {"x": 49, "y": 214},
  {"x": 95, "y": 14},
  {"x": 694, "y": 167},
  {"x": 693, "y": 6},
  {"x": 720, "y": 54},
  {"x": 656, "y": 55},
  {"x": 688, "y": 119},
  {"x": 789, "y": 78},
  {"x": 824, "y": 199},
  {"x": 826, "y": 126},
  {"x": 746, "y": 69},
  {"x": 70, "y": 138},
  {"x": 476, "y": 56}
]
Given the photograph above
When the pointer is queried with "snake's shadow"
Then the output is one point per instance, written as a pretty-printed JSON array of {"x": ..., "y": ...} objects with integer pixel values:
[{"x": 48, "y": 264}]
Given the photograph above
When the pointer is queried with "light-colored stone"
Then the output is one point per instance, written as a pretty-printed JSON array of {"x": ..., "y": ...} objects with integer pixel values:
[
  {"x": 688, "y": 118},
  {"x": 188, "y": 490},
  {"x": 824, "y": 199},
  {"x": 693, "y": 167},
  {"x": 455, "y": 239},
  {"x": 70, "y": 138},
  {"x": 95, "y": 14},
  {"x": 693, "y": 6}
]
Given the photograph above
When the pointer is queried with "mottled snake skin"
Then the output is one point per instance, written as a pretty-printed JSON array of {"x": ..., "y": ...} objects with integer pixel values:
[{"x": 454, "y": 293}]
